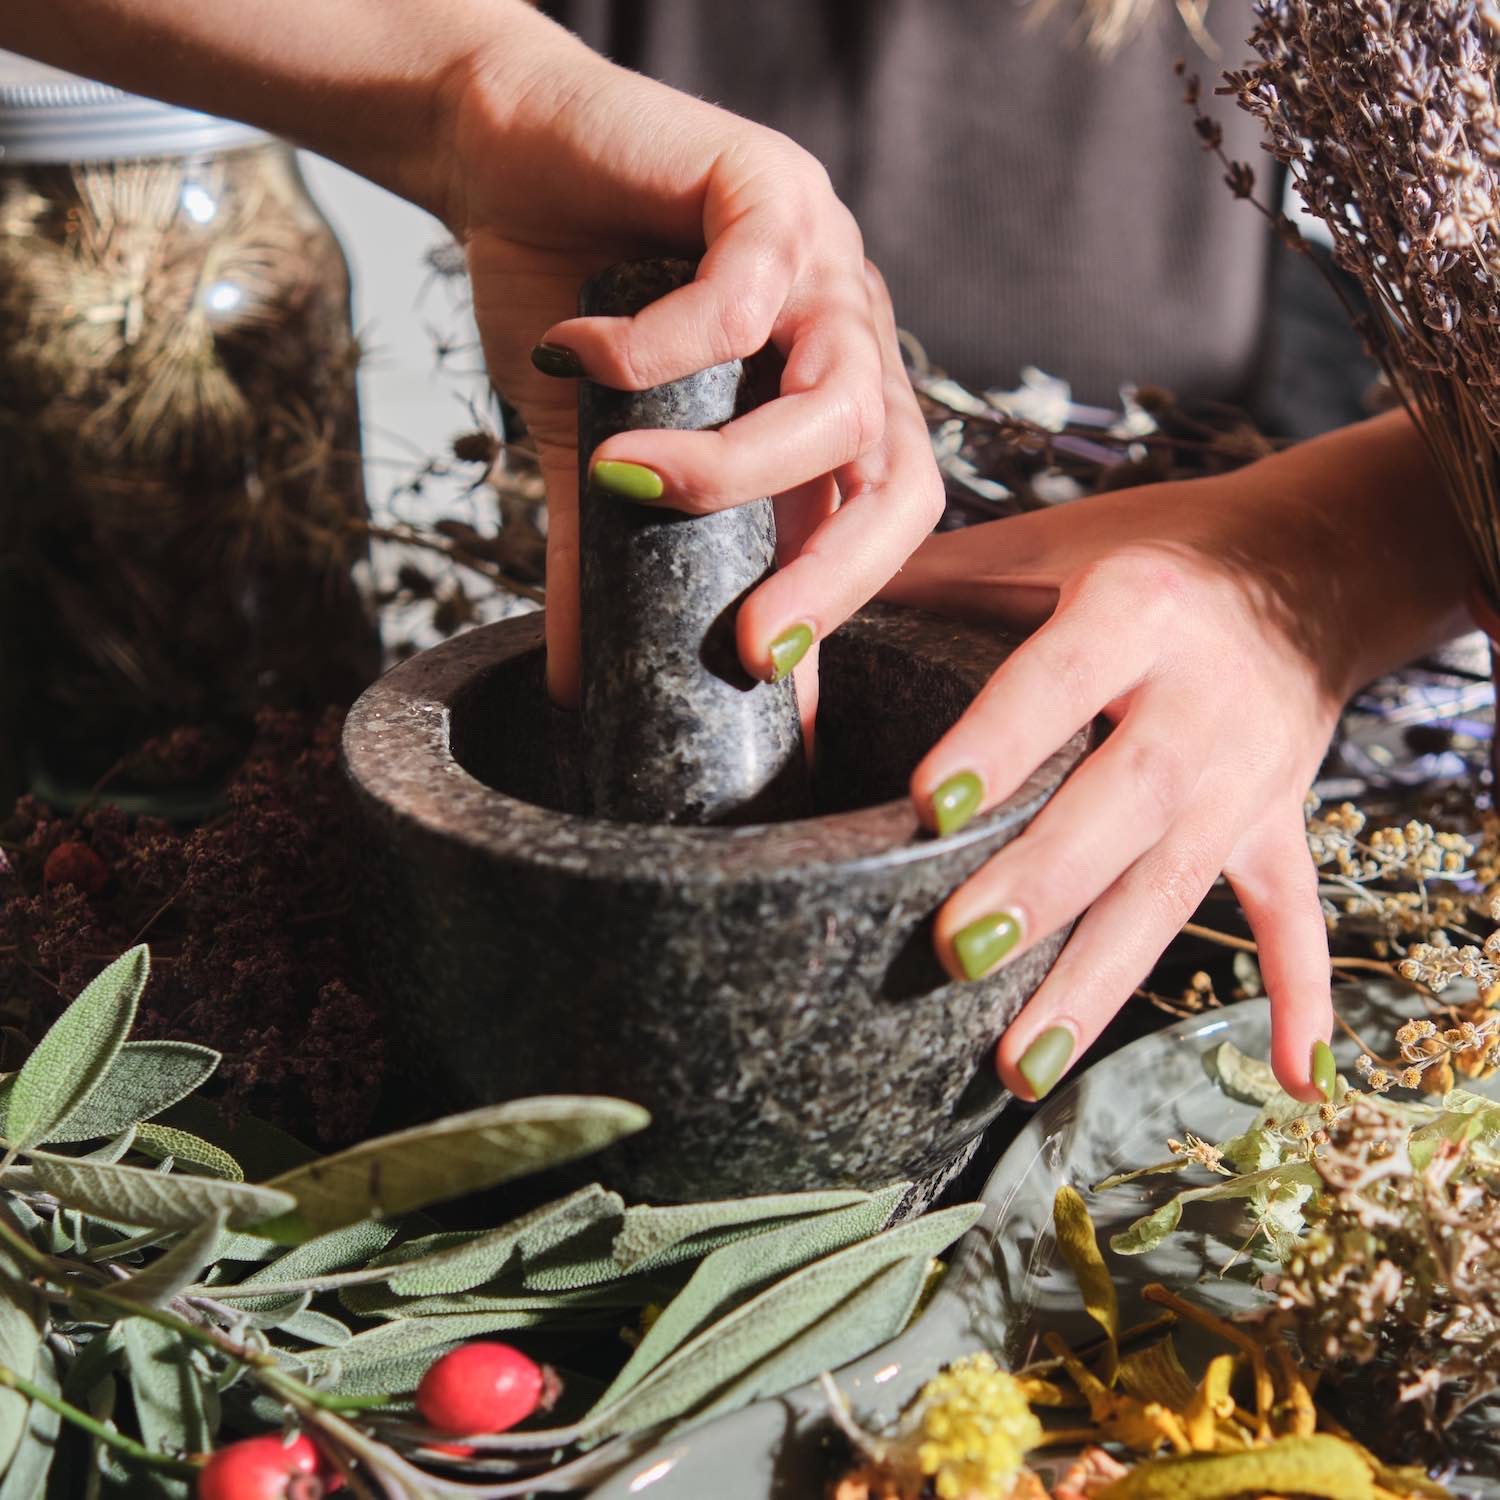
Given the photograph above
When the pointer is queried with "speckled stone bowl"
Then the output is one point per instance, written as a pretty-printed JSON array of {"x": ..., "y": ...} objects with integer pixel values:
[{"x": 769, "y": 992}]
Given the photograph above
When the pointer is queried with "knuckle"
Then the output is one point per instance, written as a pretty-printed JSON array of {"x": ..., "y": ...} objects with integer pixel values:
[
  {"x": 739, "y": 327},
  {"x": 856, "y": 422},
  {"x": 1179, "y": 881},
  {"x": 1159, "y": 777}
]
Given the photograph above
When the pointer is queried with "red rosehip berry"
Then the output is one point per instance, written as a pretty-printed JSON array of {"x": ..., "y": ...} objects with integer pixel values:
[
  {"x": 76, "y": 864},
  {"x": 266, "y": 1468},
  {"x": 483, "y": 1387}
]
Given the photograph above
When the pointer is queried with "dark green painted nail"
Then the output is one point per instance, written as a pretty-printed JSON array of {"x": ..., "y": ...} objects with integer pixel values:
[
  {"x": 1044, "y": 1060},
  {"x": 629, "y": 481},
  {"x": 956, "y": 801},
  {"x": 1325, "y": 1074},
  {"x": 788, "y": 649},
  {"x": 981, "y": 945},
  {"x": 553, "y": 359}
]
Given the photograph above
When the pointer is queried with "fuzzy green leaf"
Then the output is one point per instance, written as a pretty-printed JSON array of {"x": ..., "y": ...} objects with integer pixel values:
[
  {"x": 731, "y": 1272},
  {"x": 448, "y": 1158},
  {"x": 317, "y": 1328},
  {"x": 1242, "y": 1077},
  {"x": 144, "y": 1079},
  {"x": 172, "y": 1407},
  {"x": 26, "y": 1473},
  {"x": 20, "y": 1341},
  {"x": 606, "y": 1301},
  {"x": 446, "y": 1264},
  {"x": 77, "y": 1051},
  {"x": 393, "y": 1358},
  {"x": 164, "y": 1141},
  {"x": 176, "y": 1269},
  {"x": 728, "y": 1349},
  {"x": 311, "y": 1266},
  {"x": 649, "y": 1232},
  {"x": 1147, "y": 1232},
  {"x": 154, "y": 1200},
  {"x": 874, "y": 1314}
]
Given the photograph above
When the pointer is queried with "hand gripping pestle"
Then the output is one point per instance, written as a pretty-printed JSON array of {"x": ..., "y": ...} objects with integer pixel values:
[{"x": 675, "y": 730}]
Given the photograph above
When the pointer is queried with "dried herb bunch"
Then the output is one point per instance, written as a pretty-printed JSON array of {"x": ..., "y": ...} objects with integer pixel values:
[
  {"x": 248, "y": 916},
  {"x": 1385, "y": 113},
  {"x": 1401, "y": 1269},
  {"x": 179, "y": 454}
]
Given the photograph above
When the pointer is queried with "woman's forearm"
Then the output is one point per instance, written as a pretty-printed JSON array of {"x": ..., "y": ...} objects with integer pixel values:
[
  {"x": 1374, "y": 507},
  {"x": 370, "y": 83}
]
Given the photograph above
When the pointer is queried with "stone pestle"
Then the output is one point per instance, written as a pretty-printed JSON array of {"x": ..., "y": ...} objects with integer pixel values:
[{"x": 674, "y": 729}]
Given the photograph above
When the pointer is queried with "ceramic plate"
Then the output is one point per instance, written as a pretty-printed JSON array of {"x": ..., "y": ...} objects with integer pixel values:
[{"x": 1006, "y": 1283}]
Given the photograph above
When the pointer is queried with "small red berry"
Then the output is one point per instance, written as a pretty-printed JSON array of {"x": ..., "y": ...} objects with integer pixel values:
[
  {"x": 483, "y": 1387},
  {"x": 76, "y": 864},
  {"x": 266, "y": 1468}
]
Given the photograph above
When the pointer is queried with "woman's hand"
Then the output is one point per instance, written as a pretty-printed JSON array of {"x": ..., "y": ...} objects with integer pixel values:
[
  {"x": 1218, "y": 625},
  {"x": 564, "y": 163}
]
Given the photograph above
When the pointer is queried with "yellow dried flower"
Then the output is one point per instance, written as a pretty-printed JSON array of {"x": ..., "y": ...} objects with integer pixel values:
[{"x": 975, "y": 1429}]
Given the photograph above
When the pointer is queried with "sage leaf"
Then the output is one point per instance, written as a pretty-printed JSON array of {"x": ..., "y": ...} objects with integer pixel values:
[
  {"x": 608, "y": 1299},
  {"x": 77, "y": 1051},
  {"x": 1079, "y": 1246},
  {"x": 171, "y": 1407},
  {"x": 154, "y": 1200},
  {"x": 730, "y": 1347},
  {"x": 438, "y": 1270},
  {"x": 1147, "y": 1232},
  {"x": 308, "y": 1267},
  {"x": 275, "y": 1312},
  {"x": 447, "y": 1158},
  {"x": 649, "y": 1232},
  {"x": 20, "y": 1343},
  {"x": 314, "y": 1327},
  {"x": 165, "y": 1141},
  {"x": 175, "y": 1269},
  {"x": 26, "y": 1474},
  {"x": 144, "y": 1079},
  {"x": 392, "y": 1359},
  {"x": 874, "y": 1314},
  {"x": 733, "y": 1270}
]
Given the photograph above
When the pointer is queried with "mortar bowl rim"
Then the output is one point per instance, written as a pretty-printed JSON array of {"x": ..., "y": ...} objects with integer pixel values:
[{"x": 399, "y": 758}]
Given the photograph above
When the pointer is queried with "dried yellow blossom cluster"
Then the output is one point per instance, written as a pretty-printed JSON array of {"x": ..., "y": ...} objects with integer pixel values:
[{"x": 974, "y": 1429}]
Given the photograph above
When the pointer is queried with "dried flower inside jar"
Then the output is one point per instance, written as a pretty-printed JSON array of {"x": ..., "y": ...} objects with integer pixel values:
[{"x": 182, "y": 516}]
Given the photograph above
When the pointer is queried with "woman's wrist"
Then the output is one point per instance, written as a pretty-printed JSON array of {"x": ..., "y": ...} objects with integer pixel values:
[{"x": 1369, "y": 502}]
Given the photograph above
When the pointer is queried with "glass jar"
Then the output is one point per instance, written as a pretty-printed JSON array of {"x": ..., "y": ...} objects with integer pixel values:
[{"x": 183, "y": 532}]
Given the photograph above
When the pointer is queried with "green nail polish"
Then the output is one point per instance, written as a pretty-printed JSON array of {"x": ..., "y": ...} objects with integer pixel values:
[
  {"x": 956, "y": 801},
  {"x": 788, "y": 649},
  {"x": 628, "y": 481},
  {"x": 1325, "y": 1074},
  {"x": 1044, "y": 1060},
  {"x": 553, "y": 359},
  {"x": 981, "y": 945}
]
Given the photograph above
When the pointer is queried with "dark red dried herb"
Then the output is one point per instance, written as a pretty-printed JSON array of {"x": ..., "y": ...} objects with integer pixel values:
[{"x": 248, "y": 921}]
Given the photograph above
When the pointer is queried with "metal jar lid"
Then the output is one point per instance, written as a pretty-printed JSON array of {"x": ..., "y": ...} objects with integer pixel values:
[{"x": 50, "y": 116}]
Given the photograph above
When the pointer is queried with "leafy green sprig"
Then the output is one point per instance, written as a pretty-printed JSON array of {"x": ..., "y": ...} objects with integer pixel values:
[{"x": 144, "y": 1264}]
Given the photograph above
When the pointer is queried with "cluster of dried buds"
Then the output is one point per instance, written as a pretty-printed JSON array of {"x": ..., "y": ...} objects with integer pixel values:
[
  {"x": 1385, "y": 113},
  {"x": 1401, "y": 1271}
]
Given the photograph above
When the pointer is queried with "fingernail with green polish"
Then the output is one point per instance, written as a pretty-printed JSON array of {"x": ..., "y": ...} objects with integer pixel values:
[
  {"x": 956, "y": 801},
  {"x": 1045, "y": 1059},
  {"x": 553, "y": 359},
  {"x": 981, "y": 945},
  {"x": 1325, "y": 1073},
  {"x": 629, "y": 481},
  {"x": 788, "y": 649}
]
